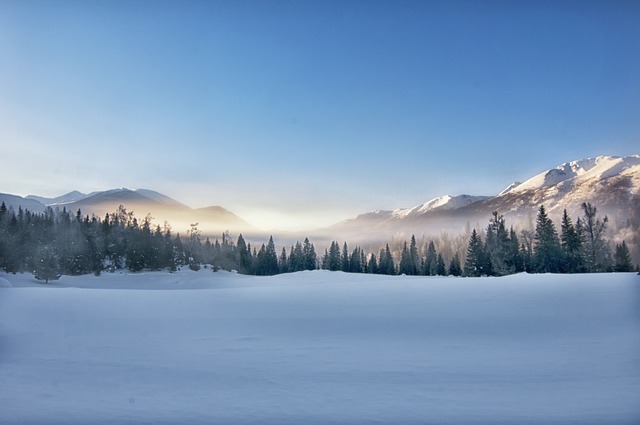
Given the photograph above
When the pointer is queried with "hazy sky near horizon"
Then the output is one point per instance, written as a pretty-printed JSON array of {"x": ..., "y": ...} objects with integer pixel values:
[{"x": 298, "y": 114}]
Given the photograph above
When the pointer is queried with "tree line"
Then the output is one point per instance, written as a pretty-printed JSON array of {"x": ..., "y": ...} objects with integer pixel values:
[{"x": 58, "y": 242}]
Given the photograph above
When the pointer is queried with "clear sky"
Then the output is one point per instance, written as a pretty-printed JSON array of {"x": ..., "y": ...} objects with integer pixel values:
[{"x": 298, "y": 114}]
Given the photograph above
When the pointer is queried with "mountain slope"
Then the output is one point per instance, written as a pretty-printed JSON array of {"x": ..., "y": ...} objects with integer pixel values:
[
  {"x": 142, "y": 202},
  {"x": 69, "y": 197},
  {"x": 610, "y": 183}
]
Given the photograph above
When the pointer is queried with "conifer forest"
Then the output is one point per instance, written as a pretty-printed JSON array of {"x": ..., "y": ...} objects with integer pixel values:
[{"x": 59, "y": 242}]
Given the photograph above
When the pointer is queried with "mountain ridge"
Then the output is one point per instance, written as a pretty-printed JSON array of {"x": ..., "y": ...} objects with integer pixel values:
[{"x": 612, "y": 183}]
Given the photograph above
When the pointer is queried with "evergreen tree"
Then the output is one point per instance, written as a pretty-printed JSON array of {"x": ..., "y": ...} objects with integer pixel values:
[
  {"x": 334, "y": 262},
  {"x": 405, "y": 261},
  {"x": 430, "y": 261},
  {"x": 547, "y": 256},
  {"x": 441, "y": 269},
  {"x": 474, "y": 266},
  {"x": 571, "y": 244},
  {"x": 514, "y": 259},
  {"x": 46, "y": 265},
  {"x": 622, "y": 258},
  {"x": 309, "y": 255},
  {"x": 356, "y": 261},
  {"x": 243, "y": 255},
  {"x": 596, "y": 249},
  {"x": 497, "y": 247},
  {"x": 414, "y": 258},
  {"x": 372, "y": 264},
  {"x": 270, "y": 265},
  {"x": 386, "y": 264},
  {"x": 283, "y": 264},
  {"x": 455, "y": 269},
  {"x": 344, "y": 262},
  {"x": 296, "y": 258}
]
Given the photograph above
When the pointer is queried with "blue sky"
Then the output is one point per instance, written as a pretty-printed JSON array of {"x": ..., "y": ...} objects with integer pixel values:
[{"x": 298, "y": 114}]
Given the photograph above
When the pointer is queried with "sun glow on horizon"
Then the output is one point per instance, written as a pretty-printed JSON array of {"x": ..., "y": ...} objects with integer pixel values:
[{"x": 272, "y": 220}]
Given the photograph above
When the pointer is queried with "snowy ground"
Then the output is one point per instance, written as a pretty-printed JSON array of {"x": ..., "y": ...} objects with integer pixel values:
[{"x": 320, "y": 348}]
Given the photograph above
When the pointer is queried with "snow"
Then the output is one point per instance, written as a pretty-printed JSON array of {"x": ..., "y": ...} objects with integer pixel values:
[
  {"x": 320, "y": 348},
  {"x": 580, "y": 171},
  {"x": 446, "y": 202}
]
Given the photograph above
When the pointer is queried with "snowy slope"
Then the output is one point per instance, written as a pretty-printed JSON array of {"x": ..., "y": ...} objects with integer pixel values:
[
  {"x": 442, "y": 203},
  {"x": 59, "y": 200},
  {"x": 579, "y": 172},
  {"x": 320, "y": 348}
]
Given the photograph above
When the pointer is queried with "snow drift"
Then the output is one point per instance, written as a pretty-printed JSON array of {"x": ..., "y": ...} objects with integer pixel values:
[{"x": 320, "y": 347}]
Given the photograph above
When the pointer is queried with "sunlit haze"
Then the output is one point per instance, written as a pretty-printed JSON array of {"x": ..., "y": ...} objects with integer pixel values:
[{"x": 297, "y": 115}]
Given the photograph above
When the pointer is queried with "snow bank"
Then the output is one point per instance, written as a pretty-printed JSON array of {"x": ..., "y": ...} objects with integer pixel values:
[{"x": 320, "y": 347}]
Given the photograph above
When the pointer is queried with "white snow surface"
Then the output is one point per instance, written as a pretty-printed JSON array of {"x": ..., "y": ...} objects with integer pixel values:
[
  {"x": 320, "y": 348},
  {"x": 446, "y": 202},
  {"x": 581, "y": 171}
]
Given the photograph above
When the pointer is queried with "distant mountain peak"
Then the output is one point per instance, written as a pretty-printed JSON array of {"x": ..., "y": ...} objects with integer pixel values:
[
  {"x": 602, "y": 166},
  {"x": 441, "y": 203}
]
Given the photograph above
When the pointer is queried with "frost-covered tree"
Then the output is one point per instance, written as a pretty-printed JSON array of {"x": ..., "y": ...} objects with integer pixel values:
[{"x": 46, "y": 265}]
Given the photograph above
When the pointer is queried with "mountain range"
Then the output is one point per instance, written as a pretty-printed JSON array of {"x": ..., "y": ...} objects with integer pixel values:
[
  {"x": 141, "y": 202},
  {"x": 611, "y": 183}
]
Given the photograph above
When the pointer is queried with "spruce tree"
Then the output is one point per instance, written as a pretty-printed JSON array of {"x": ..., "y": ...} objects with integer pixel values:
[
  {"x": 414, "y": 257},
  {"x": 46, "y": 265},
  {"x": 405, "y": 261},
  {"x": 547, "y": 255},
  {"x": 597, "y": 252},
  {"x": 441, "y": 269},
  {"x": 344, "y": 261},
  {"x": 455, "y": 269},
  {"x": 474, "y": 266},
  {"x": 571, "y": 244},
  {"x": 622, "y": 258},
  {"x": 309, "y": 255},
  {"x": 430, "y": 261}
]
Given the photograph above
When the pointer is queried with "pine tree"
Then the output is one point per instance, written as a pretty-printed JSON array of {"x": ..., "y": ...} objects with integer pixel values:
[
  {"x": 243, "y": 255},
  {"x": 455, "y": 269},
  {"x": 441, "y": 269},
  {"x": 372, "y": 264},
  {"x": 547, "y": 255},
  {"x": 385, "y": 263},
  {"x": 46, "y": 265},
  {"x": 474, "y": 266},
  {"x": 334, "y": 262},
  {"x": 414, "y": 257},
  {"x": 430, "y": 261},
  {"x": 497, "y": 247},
  {"x": 622, "y": 258},
  {"x": 309, "y": 255},
  {"x": 405, "y": 261},
  {"x": 596, "y": 249},
  {"x": 571, "y": 244},
  {"x": 283, "y": 263},
  {"x": 344, "y": 262}
]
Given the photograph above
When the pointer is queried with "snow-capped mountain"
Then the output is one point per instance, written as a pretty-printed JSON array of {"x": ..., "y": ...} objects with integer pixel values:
[
  {"x": 442, "y": 203},
  {"x": 578, "y": 172},
  {"x": 610, "y": 183}
]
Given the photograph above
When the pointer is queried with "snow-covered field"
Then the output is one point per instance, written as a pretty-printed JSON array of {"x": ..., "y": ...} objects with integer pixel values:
[{"x": 320, "y": 348}]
